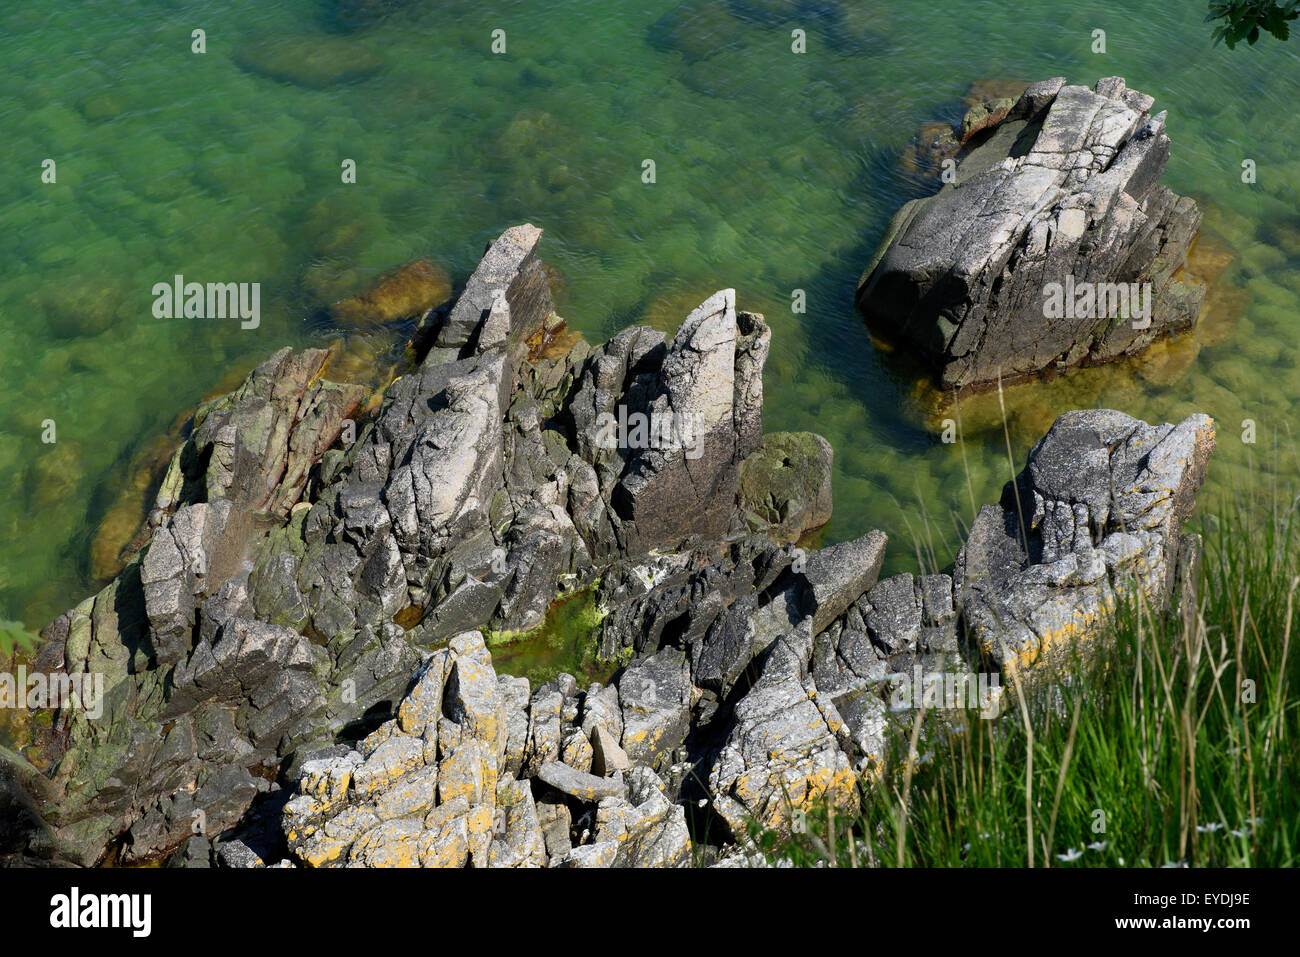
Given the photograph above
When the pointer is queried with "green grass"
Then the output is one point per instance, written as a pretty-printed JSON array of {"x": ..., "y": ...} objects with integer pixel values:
[{"x": 1173, "y": 745}]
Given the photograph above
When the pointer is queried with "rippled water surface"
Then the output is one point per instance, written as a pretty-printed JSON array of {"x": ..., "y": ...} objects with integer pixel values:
[{"x": 775, "y": 172}]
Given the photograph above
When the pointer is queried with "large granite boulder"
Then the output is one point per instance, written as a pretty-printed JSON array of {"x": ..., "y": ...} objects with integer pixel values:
[
  {"x": 666, "y": 426},
  {"x": 1053, "y": 245},
  {"x": 509, "y": 271}
]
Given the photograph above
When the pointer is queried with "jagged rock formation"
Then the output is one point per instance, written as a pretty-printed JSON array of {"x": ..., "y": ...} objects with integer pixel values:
[
  {"x": 436, "y": 786},
  {"x": 1018, "y": 264},
  {"x": 257, "y": 620},
  {"x": 296, "y": 667},
  {"x": 1098, "y": 512}
]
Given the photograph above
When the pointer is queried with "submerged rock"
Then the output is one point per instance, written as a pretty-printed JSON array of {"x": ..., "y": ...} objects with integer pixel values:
[
  {"x": 1053, "y": 245},
  {"x": 73, "y": 307},
  {"x": 358, "y": 14},
  {"x": 116, "y": 538},
  {"x": 311, "y": 60},
  {"x": 985, "y": 115},
  {"x": 402, "y": 293}
]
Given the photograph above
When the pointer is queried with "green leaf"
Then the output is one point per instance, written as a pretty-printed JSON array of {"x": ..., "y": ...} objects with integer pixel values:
[{"x": 13, "y": 634}]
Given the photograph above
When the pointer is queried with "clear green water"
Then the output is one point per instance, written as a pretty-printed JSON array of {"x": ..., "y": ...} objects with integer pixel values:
[{"x": 775, "y": 172}]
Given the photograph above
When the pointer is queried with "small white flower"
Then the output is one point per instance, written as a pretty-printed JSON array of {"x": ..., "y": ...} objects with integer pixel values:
[
  {"x": 1238, "y": 833},
  {"x": 1070, "y": 855},
  {"x": 1098, "y": 845},
  {"x": 1209, "y": 828}
]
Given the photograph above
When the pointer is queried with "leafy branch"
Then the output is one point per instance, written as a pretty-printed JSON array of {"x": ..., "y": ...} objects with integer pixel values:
[{"x": 1245, "y": 19}]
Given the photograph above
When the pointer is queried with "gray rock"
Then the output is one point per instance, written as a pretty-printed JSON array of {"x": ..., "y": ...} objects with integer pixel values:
[
  {"x": 602, "y": 854},
  {"x": 577, "y": 751},
  {"x": 260, "y": 442},
  {"x": 600, "y": 709},
  {"x": 1064, "y": 197},
  {"x": 510, "y": 271},
  {"x": 527, "y": 829},
  {"x": 391, "y": 844},
  {"x": 655, "y": 696},
  {"x": 390, "y": 761},
  {"x": 648, "y": 830},
  {"x": 424, "y": 704},
  {"x": 579, "y": 784},
  {"x": 411, "y": 794},
  {"x": 838, "y": 575},
  {"x": 195, "y": 852},
  {"x": 514, "y": 697},
  {"x": 259, "y": 631},
  {"x": 1096, "y": 513},
  {"x": 237, "y": 854},
  {"x": 782, "y": 753},
  {"x": 709, "y": 387},
  {"x": 786, "y": 485},
  {"x": 894, "y": 616},
  {"x": 544, "y": 730},
  {"x": 555, "y": 822},
  {"x": 606, "y": 756}
]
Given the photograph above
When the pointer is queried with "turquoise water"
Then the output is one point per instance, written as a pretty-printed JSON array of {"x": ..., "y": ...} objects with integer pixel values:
[{"x": 774, "y": 172}]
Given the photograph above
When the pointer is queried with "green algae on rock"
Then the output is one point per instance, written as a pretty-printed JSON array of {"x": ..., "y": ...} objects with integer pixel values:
[
  {"x": 563, "y": 643},
  {"x": 786, "y": 484}
]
